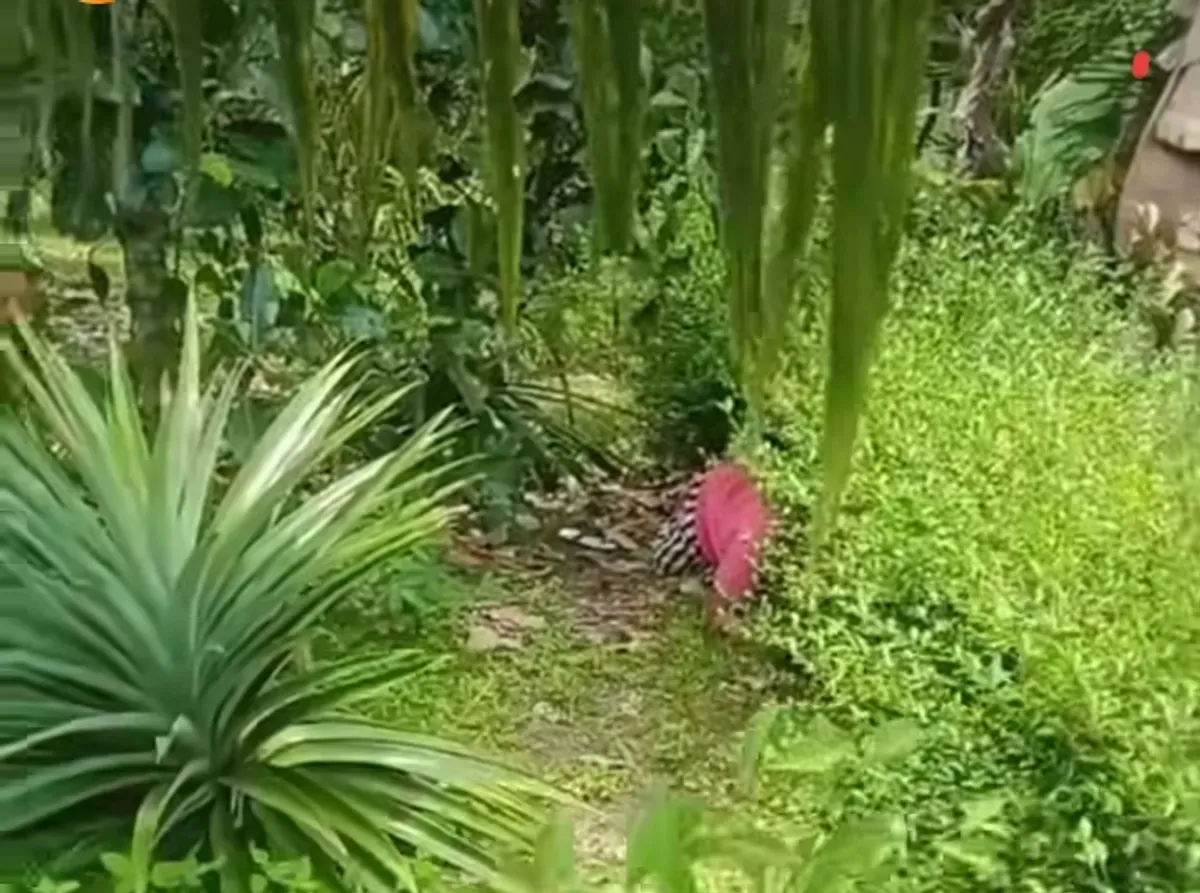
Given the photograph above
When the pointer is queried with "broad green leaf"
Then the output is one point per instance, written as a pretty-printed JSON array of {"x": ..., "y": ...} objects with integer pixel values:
[
  {"x": 661, "y": 844},
  {"x": 332, "y": 276},
  {"x": 819, "y": 750},
  {"x": 216, "y": 167},
  {"x": 754, "y": 743},
  {"x": 857, "y": 852},
  {"x": 892, "y": 740}
]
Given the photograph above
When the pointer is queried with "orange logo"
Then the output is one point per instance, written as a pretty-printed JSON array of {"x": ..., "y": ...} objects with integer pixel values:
[{"x": 97, "y": 2}]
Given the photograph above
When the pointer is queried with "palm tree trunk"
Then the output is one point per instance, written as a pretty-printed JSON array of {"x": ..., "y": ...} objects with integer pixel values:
[{"x": 981, "y": 152}]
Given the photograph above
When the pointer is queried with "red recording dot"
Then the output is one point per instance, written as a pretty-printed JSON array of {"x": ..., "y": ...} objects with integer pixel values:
[{"x": 1141, "y": 64}]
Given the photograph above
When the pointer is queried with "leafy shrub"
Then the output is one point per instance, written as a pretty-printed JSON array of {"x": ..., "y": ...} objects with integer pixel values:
[
  {"x": 684, "y": 380},
  {"x": 149, "y": 616},
  {"x": 117, "y": 873},
  {"x": 657, "y": 325},
  {"x": 1015, "y": 570},
  {"x": 1054, "y": 38}
]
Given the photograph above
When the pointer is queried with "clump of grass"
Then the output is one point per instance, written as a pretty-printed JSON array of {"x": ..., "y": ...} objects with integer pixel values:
[
  {"x": 605, "y": 720},
  {"x": 1015, "y": 570}
]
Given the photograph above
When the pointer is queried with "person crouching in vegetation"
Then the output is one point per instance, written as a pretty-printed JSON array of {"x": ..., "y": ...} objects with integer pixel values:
[{"x": 719, "y": 527}]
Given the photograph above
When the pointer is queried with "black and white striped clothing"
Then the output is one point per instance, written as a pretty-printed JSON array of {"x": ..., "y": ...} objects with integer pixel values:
[{"x": 677, "y": 547}]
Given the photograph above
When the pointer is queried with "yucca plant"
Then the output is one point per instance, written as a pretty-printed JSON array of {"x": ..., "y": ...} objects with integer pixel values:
[{"x": 148, "y": 614}]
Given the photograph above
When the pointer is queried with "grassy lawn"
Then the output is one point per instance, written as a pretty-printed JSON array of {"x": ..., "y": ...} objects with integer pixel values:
[
  {"x": 1015, "y": 571},
  {"x": 609, "y": 703}
]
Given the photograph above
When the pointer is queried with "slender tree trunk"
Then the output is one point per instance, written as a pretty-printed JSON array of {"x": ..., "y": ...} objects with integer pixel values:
[
  {"x": 145, "y": 204},
  {"x": 143, "y": 227},
  {"x": 981, "y": 152}
]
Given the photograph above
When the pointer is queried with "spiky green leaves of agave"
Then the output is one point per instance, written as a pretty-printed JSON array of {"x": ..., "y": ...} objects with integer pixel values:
[{"x": 147, "y": 617}]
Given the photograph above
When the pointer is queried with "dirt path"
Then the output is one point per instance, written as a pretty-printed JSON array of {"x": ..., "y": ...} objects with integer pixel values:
[{"x": 571, "y": 653}]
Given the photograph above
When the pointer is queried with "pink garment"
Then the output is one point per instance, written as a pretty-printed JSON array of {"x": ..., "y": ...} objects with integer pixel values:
[{"x": 731, "y": 523}]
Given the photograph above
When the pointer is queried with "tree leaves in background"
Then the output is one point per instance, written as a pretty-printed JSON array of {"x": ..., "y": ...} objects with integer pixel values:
[
  {"x": 1069, "y": 35},
  {"x": 1077, "y": 118},
  {"x": 606, "y": 35},
  {"x": 1073, "y": 125},
  {"x": 499, "y": 37}
]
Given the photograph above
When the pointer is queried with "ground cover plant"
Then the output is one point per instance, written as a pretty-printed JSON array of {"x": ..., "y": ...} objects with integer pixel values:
[{"x": 1014, "y": 571}]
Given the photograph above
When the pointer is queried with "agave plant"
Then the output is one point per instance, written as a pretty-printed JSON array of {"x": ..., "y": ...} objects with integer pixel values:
[{"x": 148, "y": 613}]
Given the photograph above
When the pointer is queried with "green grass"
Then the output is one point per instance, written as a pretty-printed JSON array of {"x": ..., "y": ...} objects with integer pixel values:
[
  {"x": 607, "y": 721},
  {"x": 1015, "y": 569}
]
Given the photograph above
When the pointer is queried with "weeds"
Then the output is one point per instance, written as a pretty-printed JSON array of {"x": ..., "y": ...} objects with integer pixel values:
[{"x": 1011, "y": 572}]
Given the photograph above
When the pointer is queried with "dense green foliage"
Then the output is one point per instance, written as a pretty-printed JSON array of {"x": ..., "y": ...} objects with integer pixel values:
[
  {"x": 684, "y": 380},
  {"x": 152, "y": 612},
  {"x": 1015, "y": 572},
  {"x": 993, "y": 652},
  {"x": 1080, "y": 96}
]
